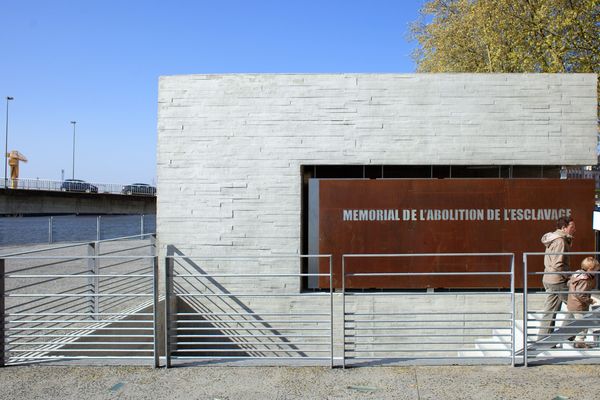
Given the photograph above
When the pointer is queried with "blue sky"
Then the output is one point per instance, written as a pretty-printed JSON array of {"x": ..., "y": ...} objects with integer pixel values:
[{"x": 98, "y": 62}]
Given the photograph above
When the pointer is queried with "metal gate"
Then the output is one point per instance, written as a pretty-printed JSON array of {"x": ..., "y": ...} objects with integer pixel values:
[
  {"x": 87, "y": 305},
  {"x": 390, "y": 327},
  {"x": 240, "y": 316}
]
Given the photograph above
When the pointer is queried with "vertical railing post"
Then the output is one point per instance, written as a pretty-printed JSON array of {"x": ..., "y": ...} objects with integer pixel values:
[
  {"x": 525, "y": 309},
  {"x": 168, "y": 283},
  {"x": 2, "y": 316},
  {"x": 155, "y": 308},
  {"x": 141, "y": 226},
  {"x": 94, "y": 281},
  {"x": 344, "y": 312},
  {"x": 50, "y": 221},
  {"x": 331, "y": 304},
  {"x": 98, "y": 228},
  {"x": 513, "y": 307},
  {"x": 152, "y": 246}
]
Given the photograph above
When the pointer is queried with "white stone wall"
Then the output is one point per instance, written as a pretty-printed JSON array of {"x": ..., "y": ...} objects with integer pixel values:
[{"x": 230, "y": 147}]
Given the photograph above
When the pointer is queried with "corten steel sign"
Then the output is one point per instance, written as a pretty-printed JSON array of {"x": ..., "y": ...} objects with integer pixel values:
[{"x": 387, "y": 216}]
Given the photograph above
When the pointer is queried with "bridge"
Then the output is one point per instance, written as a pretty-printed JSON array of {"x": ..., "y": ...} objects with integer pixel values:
[{"x": 49, "y": 202}]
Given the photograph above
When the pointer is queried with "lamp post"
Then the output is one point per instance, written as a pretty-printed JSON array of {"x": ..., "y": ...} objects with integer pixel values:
[
  {"x": 73, "y": 122},
  {"x": 8, "y": 98}
]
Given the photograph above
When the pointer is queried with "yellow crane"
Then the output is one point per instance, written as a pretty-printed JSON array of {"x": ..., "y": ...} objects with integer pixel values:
[{"x": 14, "y": 157}]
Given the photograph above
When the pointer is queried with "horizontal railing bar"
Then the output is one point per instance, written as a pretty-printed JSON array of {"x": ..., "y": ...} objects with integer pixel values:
[
  {"x": 107, "y": 253},
  {"x": 425, "y": 350},
  {"x": 250, "y": 350},
  {"x": 243, "y": 275},
  {"x": 250, "y": 329},
  {"x": 427, "y": 274},
  {"x": 59, "y": 247},
  {"x": 66, "y": 246},
  {"x": 124, "y": 238},
  {"x": 79, "y": 276},
  {"x": 426, "y": 335},
  {"x": 575, "y": 253},
  {"x": 425, "y": 255},
  {"x": 83, "y": 335},
  {"x": 253, "y": 343},
  {"x": 561, "y": 334},
  {"x": 259, "y": 314},
  {"x": 256, "y": 321},
  {"x": 247, "y": 358},
  {"x": 248, "y": 336},
  {"x": 82, "y": 350},
  {"x": 69, "y": 321},
  {"x": 430, "y": 294},
  {"x": 75, "y": 343},
  {"x": 565, "y": 320},
  {"x": 431, "y": 320},
  {"x": 445, "y": 357},
  {"x": 535, "y": 342},
  {"x": 74, "y": 314},
  {"x": 563, "y": 273},
  {"x": 82, "y": 295},
  {"x": 433, "y": 313},
  {"x": 76, "y": 257},
  {"x": 250, "y": 295},
  {"x": 62, "y": 328},
  {"x": 567, "y": 292},
  {"x": 80, "y": 357},
  {"x": 400, "y": 328},
  {"x": 271, "y": 257},
  {"x": 591, "y": 353},
  {"x": 359, "y": 343}
]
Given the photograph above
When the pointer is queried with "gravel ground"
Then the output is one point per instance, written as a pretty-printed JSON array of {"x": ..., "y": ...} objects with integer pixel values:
[{"x": 421, "y": 382}]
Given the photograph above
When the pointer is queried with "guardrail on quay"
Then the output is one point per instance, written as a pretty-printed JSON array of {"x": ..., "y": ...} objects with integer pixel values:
[{"x": 101, "y": 301}]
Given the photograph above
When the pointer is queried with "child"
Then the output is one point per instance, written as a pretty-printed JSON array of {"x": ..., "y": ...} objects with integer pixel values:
[{"x": 579, "y": 300}]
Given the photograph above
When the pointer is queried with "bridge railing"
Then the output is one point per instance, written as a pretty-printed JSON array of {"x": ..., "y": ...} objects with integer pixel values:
[{"x": 84, "y": 187}]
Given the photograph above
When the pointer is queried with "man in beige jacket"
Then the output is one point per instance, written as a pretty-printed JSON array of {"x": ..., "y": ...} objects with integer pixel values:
[{"x": 558, "y": 241}]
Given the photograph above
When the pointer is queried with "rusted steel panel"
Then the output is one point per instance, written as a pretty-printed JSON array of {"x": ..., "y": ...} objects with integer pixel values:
[{"x": 445, "y": 216}]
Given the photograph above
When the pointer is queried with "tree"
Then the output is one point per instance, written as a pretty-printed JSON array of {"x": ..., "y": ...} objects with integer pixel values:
[{"x": 508, "y": 36}]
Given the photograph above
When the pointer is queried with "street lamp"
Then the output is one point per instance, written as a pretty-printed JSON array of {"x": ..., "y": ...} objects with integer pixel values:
[
  {"x": 73, "y": 122},
  {"x": 8, "y": 98}
]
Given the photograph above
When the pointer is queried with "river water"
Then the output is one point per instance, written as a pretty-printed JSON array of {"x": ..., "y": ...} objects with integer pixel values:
[{"x": 72, "y": 228}]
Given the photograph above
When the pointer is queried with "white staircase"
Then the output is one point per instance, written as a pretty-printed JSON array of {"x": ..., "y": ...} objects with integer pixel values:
[{"x": 498, "y": 344}]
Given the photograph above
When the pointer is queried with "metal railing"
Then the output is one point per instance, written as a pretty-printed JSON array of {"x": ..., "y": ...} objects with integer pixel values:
[
  {"x": 403, "y": 329},
  {"x": 83, "y": 187},
  {"x": 73, "y": 228},
  {"x": 101, "y": 302},
  {"x": 85, "y": 305},
  {"x": 216, "y": 316},
  {"x": 564, "y": 325}
]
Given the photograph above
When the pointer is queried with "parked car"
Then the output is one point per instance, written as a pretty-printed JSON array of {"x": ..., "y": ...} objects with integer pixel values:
[
  {"x": 77, "y": 185},
  {"x": 142, "y": 189}
]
